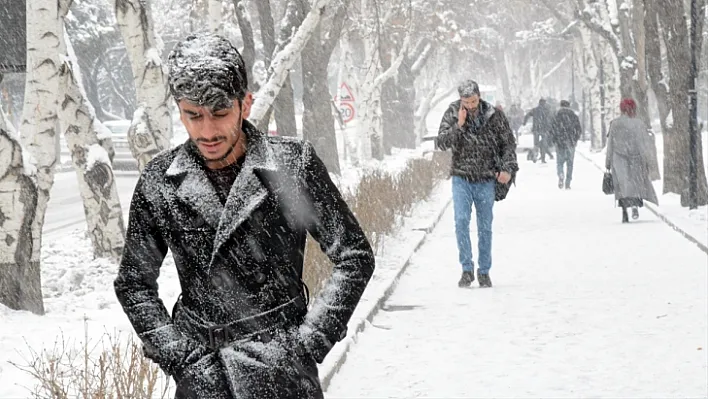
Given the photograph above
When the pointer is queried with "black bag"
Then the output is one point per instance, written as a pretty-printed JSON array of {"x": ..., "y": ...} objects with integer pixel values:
[{"x": 608, "y": 186}]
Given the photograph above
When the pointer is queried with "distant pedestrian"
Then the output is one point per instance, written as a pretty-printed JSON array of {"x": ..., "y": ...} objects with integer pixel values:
[
  {"x": 565, "y": 133},
  {"x": 629, "y": 160},
  {"x": 542, "y": 117}
]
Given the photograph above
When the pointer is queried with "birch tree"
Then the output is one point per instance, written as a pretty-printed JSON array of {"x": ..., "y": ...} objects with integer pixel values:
[
  {"x": 672, "y": 17},
  {"x": 587, "y": 46},
  {"x": 86, "y": 138},
  {"x": 151, "y": 129},
  {"x": 27, "y": 180},
  {"x": 283, "y": 60},
  {"x": 370, "y": 128},
  {"x": 20, "y": 284}
]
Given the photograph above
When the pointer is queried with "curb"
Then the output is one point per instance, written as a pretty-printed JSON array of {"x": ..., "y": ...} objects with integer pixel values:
[
  {"x": 326, "y": 378},
  {"x": 655, "y": 210}
]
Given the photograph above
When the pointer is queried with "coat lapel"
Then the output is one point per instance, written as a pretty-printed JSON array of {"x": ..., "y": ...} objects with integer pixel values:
[
  {"x": 248, "y": 191},
  {"x": 195, "y": 189}
]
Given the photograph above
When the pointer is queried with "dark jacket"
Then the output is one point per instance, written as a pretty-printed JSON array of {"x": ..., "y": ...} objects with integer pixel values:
[
  {"x": 239, "y": 261},
  {"x": 566, "y": 129},
  {"x": 542, "y": 117},
  {"x": 478, "y": 153}
]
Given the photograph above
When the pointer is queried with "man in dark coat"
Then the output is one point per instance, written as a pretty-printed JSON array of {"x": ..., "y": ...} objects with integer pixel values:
[
  {"x": 542, "y": 117},
  {"x": 234, "y": 207},
  {"x": 565, "y": 133},
  {"x": 483, "y": 150}
]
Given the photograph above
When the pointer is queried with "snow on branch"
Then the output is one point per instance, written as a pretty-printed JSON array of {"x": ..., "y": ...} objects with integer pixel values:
[
  {"x": 393, "y": 69},
  {"x": 422, "y": 58},
  {"x": 586, "y": 14},
  {"x": 279, "y": 67},
  {"x": 554, "y": 69}
]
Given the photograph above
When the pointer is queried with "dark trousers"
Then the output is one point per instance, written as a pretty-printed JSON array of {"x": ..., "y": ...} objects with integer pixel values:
[{"x": 543, "y": 144}]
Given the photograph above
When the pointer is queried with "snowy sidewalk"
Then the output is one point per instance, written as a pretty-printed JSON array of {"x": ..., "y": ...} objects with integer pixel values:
[{"x": 582, "y": 306}]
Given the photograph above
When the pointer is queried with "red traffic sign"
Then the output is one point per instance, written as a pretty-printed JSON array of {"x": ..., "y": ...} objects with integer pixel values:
[
  {"x": 348, "y": 112},
  {"x": 346, "y": 94}
]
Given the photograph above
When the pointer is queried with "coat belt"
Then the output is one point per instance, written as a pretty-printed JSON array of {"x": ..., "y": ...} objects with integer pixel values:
[{"x": 259, "y": 326}]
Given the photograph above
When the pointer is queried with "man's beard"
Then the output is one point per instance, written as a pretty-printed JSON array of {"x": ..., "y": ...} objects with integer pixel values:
[{"x": 238, "y": 131}]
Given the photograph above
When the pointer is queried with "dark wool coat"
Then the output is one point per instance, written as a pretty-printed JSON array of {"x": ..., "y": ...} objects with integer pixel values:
[{"x": 242, "y": 261}]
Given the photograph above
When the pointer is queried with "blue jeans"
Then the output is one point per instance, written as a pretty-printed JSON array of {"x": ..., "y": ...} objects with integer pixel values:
[
  {"x": 565, "y": 155},
  {"x": 481, "y": 195}
]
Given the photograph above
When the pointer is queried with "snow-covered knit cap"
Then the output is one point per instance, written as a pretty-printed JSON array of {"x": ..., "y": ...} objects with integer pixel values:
[
  {"x": 468, "y": 88},
  {"x": 207, "y": 70}
]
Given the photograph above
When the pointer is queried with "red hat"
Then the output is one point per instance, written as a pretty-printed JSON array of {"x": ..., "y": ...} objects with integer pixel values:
[{"x": 628, "y": 107}]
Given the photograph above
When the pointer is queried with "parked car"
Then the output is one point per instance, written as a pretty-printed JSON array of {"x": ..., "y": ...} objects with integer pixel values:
[{"x": 123, "y": 159}]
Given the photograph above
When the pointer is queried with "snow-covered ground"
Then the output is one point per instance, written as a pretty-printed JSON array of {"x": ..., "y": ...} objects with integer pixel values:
[
  {"x": 582, "y": 306},
  {"x": 693, "y": 222}
]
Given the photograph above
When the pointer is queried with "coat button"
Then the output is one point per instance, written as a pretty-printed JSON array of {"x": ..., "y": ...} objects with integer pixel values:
[{"x": 260, "y": 278}]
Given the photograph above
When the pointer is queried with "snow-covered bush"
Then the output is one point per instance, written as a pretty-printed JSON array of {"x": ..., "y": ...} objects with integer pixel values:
[
  {"x": 380, "y": 202},
  {"x": 113, "y": 367}
]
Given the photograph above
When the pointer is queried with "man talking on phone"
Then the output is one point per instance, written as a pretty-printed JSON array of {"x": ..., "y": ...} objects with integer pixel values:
[{"x": 483, "y": 151}]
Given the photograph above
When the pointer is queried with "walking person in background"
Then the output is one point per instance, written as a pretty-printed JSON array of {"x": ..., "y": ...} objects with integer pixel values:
[
  {"x": 483, "y": 150},
  {"x": 629, "y": 160},
  {"x": 565, "y": 133},
  {"x": 542, "y": 118},
  {"x": 516, "y": 118}
]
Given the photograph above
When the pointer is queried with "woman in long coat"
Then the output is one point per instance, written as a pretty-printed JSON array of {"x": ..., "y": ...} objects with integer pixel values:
[{"x": 629, "y": 160}]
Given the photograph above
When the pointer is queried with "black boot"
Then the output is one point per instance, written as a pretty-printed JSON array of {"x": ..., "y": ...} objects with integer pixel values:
[
  {"x": 625, "y": 217},
  {"x": 484, "y": 280},
  {"x": 466, "y": 279}
]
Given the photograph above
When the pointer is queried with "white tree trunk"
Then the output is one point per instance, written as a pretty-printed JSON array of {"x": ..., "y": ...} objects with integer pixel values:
[
  {"x": 347, "y": 75},
  {"x": 20, "y": 284},
  {"x": 613, "y": 96},
  {"x": 369, "y": 97},
  {"x": 591, "y": 82},
  {"x": 421, "y": 114},
  {"x": 215, "y": 25},
  {"x": 97, "y": 184},
  {"x": 23, "y": 198},
  {"x": 370, "y": 124},
  {"x": 283, "y": 60},
  {"x": 151, "y": 129}
]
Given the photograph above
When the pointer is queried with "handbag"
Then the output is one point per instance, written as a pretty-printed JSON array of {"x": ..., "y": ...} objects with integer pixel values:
[{"x": 608, "y": 186}]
